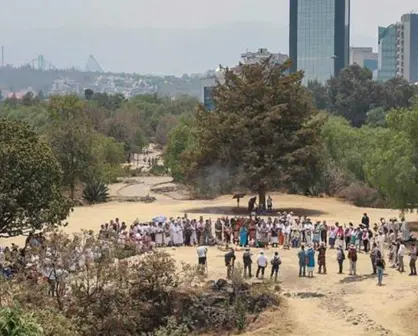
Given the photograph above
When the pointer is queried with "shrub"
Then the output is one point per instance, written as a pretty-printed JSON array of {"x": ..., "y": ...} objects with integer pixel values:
[
  {"x": 362, "y": 195},
  {"x": 16, "y": 322},
  {"x": 129, "y": 172},
  {"x": 96, "y": 192},
  {"x": 126, "y": 251},
  {"x": 146, "y": 295},
  {"x": 173, "y": 329},
  {"x": 158, "y": 170},
  {"x": 54, "y": 323}
]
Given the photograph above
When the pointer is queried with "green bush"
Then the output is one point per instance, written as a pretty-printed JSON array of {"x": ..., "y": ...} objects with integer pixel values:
[
  {"x": 96, "y": 192},
  {"x": 173, "y": 329},
  {"x": 158, "y": 170},
  {"x": 126, "y": 251},
  {"x": 14, "y": 321}
]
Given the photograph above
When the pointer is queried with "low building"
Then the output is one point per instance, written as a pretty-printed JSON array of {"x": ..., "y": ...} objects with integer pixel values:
[
  {"x": 364, "y": 57},
  {"x": 262, "y": 54},
  {"x": 210, "y": 81}
]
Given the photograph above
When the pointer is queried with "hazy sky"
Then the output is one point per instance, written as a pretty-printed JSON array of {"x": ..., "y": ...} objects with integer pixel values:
[{"x": 44, "y": 21}]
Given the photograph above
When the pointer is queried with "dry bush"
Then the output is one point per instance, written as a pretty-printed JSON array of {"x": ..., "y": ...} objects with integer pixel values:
[
  {"x": 362, "y": 195},
  {"x": 101, "y": 295}
]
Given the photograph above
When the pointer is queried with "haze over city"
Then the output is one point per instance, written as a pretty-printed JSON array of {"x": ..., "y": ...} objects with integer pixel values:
[{"x": 164, "y": 37}]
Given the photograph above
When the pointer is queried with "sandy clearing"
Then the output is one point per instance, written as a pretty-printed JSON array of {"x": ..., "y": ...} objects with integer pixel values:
[{"x": 350, "y": 306}]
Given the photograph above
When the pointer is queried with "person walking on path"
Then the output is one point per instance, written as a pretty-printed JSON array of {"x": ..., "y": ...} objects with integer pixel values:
[
  {"x": 302, "y": 261},
  {"x": 352, "y": 256},
  {"x": 262, "y": 264},
  {"x": 413, "y": 260},
  {"x": 247, "y": 263},
  {"x": 322, "y": 258},
  {"x": 340, "y": 259},
  {"x": 275, "y": 264},
  {"x": 310, "y": 264},
  {"x": 380, "y": 266}
]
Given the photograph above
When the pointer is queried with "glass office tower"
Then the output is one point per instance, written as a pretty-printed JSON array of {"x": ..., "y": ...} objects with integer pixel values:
[
  {"x": 387, "y": 52},
  {"x": 319, "y": 37}
]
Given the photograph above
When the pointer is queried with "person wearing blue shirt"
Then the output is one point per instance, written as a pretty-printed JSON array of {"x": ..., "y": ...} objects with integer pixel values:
[
  {"x": 310, "y": 261},
  {"x": 302, "y": 261}
]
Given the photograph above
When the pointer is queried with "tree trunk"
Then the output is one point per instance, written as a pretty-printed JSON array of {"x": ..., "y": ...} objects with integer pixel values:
[
  {"x": 262, "y": 197},
  {"x": 72, "y": 190}
]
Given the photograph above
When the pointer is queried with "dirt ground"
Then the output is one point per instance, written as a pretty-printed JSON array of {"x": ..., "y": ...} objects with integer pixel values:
[{"x": 325, "y": 305}]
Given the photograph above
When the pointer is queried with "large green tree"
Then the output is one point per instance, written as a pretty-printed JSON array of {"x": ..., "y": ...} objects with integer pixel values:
[
  {"x": 71, "y": 138},
  {"x": 352, "y": 94},
  {"x": 30, "y": 180},
  {"x": 392, "y": 166},
  {"x": 261, "y": 134},
  {"x": 181, "y": 140},
  {"x": 319, "y": 94}
]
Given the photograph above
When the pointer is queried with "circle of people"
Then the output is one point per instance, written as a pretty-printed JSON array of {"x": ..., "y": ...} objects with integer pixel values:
[{"x": 284, "y": 230}]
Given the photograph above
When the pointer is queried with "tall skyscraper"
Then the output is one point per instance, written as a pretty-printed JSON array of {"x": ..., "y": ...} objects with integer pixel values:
[
  {"x": 407, "y": 48},
  {"x": 398, "y": 49},
  {"x": 387, "y": 42},
  {"x": 319, "y": 37}
]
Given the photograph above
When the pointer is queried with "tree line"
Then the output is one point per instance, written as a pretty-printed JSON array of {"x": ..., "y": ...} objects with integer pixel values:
[
  {"x": 268, "y": 132},
  {"x": 64, "y": 143},
  {"x": 354, "y": 95},
  {"x": 352, "y": 137}
]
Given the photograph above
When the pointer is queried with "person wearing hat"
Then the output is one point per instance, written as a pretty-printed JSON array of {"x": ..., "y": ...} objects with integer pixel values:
[{"x": 261, "y": 265}]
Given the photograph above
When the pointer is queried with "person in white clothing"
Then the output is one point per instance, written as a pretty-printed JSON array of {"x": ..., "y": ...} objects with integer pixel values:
[
  {"x": 262, "y": 264},
  {"x": 286, "y": 231},
  {"x": 381, "y": 242},
  {"x": 401, "y": 254},
  {"x": 202, "y": 252}
]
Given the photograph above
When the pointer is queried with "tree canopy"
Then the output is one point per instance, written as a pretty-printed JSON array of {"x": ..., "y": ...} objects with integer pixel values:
[
  {"x": 353, "y": 93},
  {"x": 383, "y": 157},
  {"x": 261, "y": 134},
  {"x": 30, "y": 180}
]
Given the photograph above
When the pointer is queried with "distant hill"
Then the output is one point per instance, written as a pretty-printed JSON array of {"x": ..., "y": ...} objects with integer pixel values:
[
  {"x": 16, "y": 79},
  {"x": 144, "y": 50}
]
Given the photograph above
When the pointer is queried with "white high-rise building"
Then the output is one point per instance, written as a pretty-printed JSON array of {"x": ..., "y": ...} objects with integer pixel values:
[
  {"x": 398, "y": 49},
  {"x": 262, "y": 54}
]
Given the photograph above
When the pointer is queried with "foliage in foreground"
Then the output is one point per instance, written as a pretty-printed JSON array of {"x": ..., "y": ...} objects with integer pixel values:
[
  {"x": 98, "y": 295},
  {"x": 15, "y": 322},
  {"x": 30, "y": 181}
]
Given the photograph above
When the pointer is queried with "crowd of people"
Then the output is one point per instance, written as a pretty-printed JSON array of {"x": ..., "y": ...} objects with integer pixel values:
[
  {"x": 299, "y": 232},
  {"x": 285, "y": 230}
]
